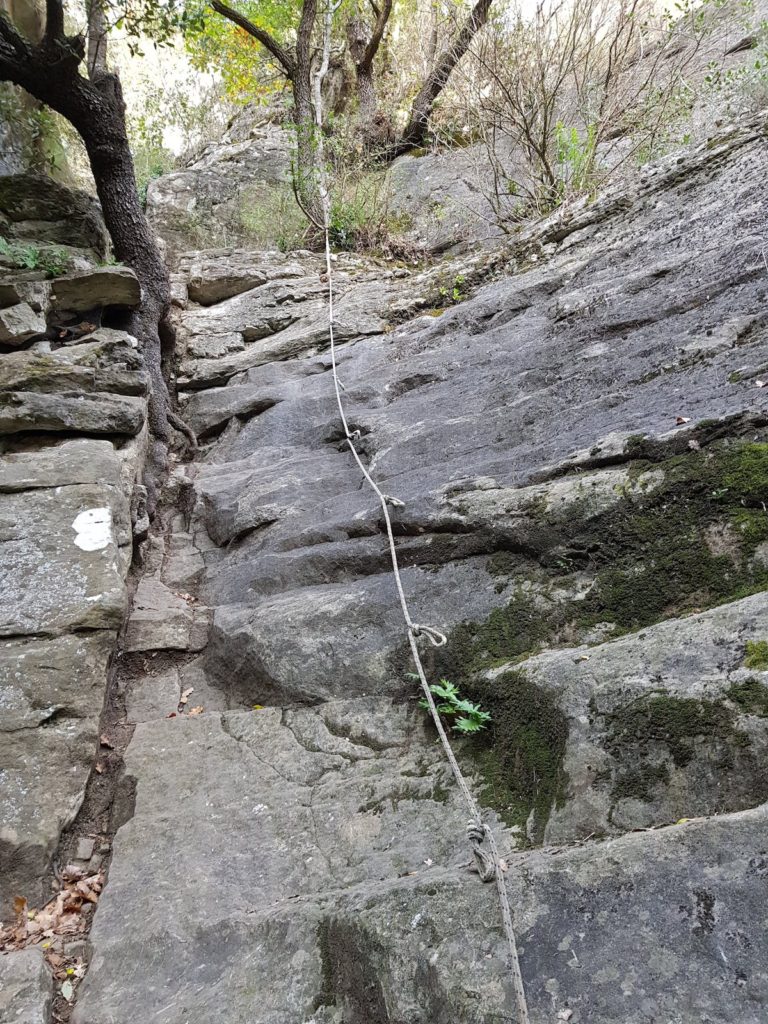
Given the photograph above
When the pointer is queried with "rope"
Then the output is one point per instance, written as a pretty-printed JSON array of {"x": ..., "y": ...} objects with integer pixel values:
[{"x": 488, "y": 862}]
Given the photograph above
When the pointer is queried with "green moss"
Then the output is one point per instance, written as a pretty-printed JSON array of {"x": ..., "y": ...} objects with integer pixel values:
[
  {"x": 638, "y": 782},
  {"x": 757, "y": 655},
  {"x": 746, "y": 473},
  {"x": 522, "y": 626},
  {"x": 677, "y": 722},
  {"x": 751, "y": 697},
  {"x": 520, "y": 756}
]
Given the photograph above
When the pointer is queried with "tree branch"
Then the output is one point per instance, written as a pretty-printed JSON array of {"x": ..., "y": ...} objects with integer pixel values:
[
  {"x": 54, "y": 20},
  {"x": 382, "y": 17},
  {"x": 283, "y": 56},
  {"x": 416, "y": 129}
]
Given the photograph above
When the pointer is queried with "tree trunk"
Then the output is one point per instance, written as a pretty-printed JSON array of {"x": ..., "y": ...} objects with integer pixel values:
[
  {"x": 358, "y": 42},
  {"x": 306, "y": 171}
]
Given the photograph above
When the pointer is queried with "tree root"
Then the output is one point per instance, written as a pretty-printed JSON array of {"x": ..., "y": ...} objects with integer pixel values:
[{"x": 179, "y": 425}]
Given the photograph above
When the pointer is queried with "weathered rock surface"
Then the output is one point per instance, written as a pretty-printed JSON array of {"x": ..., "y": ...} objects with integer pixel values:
[
  {"x": 329, "y": 885},
  {"x": 204, "y": 202},
  {"x": 104, "y": 287},
  {"x": 582, "y": 449},
  {"x": 51, "y": 694},
  {"x": 25, "y": 988},
  {"x": 162, "y": 620},
  {"x": 66, "y": 540},
  {"x": 43, "y": 210},
  {"x": 19, "y": 323}
]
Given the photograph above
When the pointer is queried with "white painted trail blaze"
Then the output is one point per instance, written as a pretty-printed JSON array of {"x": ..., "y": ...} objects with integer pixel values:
[{"x": 93, "y": 529}]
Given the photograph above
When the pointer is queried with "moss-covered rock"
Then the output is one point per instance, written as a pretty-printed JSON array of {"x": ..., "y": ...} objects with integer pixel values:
[
  {"x": 520, "y": 756},
  {"x": 651, "y": 555}
]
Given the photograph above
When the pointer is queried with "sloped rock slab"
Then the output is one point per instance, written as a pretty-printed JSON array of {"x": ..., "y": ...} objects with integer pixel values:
[{"x": 327, "y": 885}]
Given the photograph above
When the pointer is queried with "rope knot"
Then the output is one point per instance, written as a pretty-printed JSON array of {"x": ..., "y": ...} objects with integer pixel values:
[
  {"x": 484, "y": 862},
  {"x": 394, "y": 502},
  {"x": 353, "y": 435},
  {"x": 435, "y": 637}
]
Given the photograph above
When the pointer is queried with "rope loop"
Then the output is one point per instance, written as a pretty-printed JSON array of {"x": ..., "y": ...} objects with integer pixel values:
[
  {"x": 394, "y": 502},
  {"x": 435, "y": 637},
  {"x": 485, "y": 862}
]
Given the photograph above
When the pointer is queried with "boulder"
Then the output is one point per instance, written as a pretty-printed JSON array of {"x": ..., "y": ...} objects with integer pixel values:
[
  {"x": 94, "y": 289},
  {"x": 19, "y": 324}
]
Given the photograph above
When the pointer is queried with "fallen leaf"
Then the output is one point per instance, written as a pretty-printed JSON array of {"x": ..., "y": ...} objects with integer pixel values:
[
  {"x": 682, "y": 419},
  {"x": 68, "y": 991},
  {"x": 428, "y": 862},
  {"x": 105, "y": 741},
  {"x": 258, "y": 707},
  {"x": 172, "y": 715},
  {"x": 99, "y": 768},
  {"x": 761, "y": 383},
  {"x": 197, "y": 710},
  {"x": 185, "y": 695},
  {"x": 85, "y": 891},
  {"x": 19, "y": 906},
  {"x": 565, "y": 1015},
  {"x": 582, "y": 657}
]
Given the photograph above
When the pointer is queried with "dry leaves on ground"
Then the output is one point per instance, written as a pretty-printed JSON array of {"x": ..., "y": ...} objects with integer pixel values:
[{"x": 60, "y": 917}]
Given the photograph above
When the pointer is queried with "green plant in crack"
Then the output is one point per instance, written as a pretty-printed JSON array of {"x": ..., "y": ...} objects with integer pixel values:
[{"x": 466, "y": 717}]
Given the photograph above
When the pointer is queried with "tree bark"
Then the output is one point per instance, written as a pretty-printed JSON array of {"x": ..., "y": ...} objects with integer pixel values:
[{"x": 50, "y": 72}]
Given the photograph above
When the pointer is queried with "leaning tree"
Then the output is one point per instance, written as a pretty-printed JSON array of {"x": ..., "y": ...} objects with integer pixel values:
[{"x": 68, "y": 72}]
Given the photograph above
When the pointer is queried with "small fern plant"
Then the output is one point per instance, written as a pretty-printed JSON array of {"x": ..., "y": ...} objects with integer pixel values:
[{"x": 466, "y": 717}]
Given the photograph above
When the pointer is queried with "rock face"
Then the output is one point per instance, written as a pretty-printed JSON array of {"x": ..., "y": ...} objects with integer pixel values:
[
  {"x": 582, "y": 449},
  {"x": 72, "y": 415},
  {"x": 25, "y": 988}
]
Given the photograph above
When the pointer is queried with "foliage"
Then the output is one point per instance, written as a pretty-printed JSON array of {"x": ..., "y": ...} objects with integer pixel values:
[
  {"x": 467, "y": 716},
  {"x": 574, "y": 158},
  {"x": 747, "y": 84},
  {"x": 35, "y": 129},
  {"x": 564, "y": 97},
  {"x": 246, "y": 69},
  {"x": 53, "y": 259}
]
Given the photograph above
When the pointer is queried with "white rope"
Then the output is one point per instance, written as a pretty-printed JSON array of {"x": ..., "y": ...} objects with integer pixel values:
[{"x": 489, "y": 864}]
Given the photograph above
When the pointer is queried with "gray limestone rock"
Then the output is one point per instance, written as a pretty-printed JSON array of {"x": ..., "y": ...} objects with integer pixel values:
[
  {"x": 26, "y": 988},
  {"x": 66, "y": 546},
  {"x": 51, "y": 694},
  {"x": 19, "y": 324},
  {"x": 104, "y": 286},
  {"x": 70, "y": 411},
  {"x": 162, "y": 620}
]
